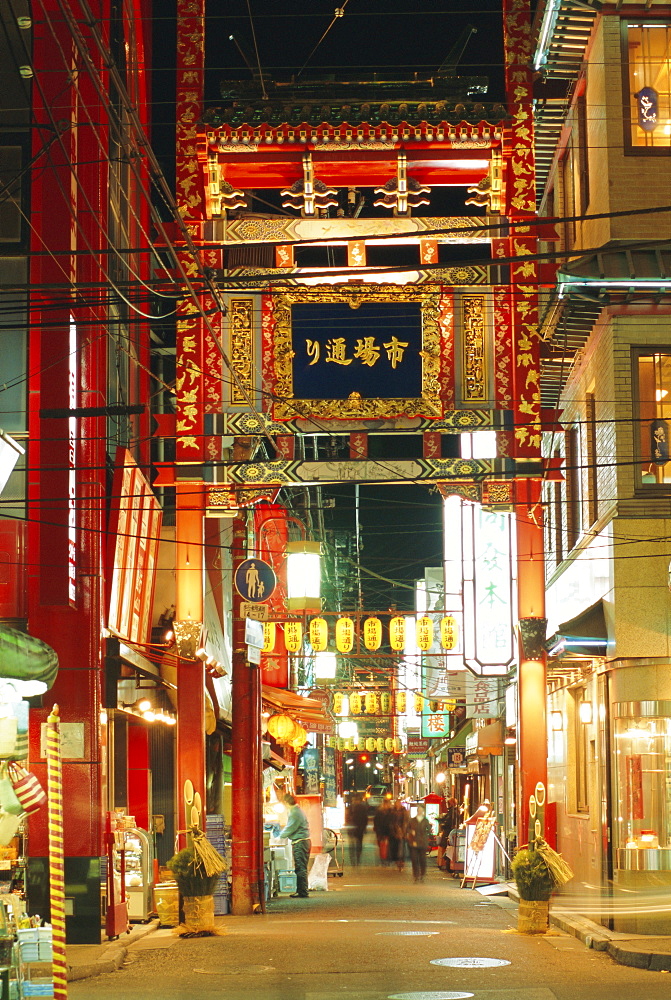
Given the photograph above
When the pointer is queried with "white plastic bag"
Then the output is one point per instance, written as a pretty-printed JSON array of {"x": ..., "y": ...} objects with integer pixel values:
[{"x": 318, "y": 877}]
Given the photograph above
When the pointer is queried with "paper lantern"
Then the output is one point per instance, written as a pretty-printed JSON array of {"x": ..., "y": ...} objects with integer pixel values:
[
  {"x": 370, "y": 743},
  {"x": 424, "y": 631},
  {"x": 389, "y": 744},
  {"x": 293, "y": 636},
  {"x": 282, "y": 728},
  {"x": 319, "y": 634},
  {"x": 419, "y": 704},
  {"x": 337, "y": 702},
  {"x": 355, "y": 704},
  {"x": 371, "y": 702},
  {"x": 349, "y": 744},
  {"x": 269, "y": 630},
  {"x": 379, "y": 744},
  {"x": 400, "y": 702},
  {"x": 299, "y": 739},
  {"x": 372, "y": 633},
  {"x": 397, "y": 634},
  {"x": 449, "y": 632},
  {"x": 385, "y": 703},
  {"x": 344, "y": 635},
  {"x": 398, "y": 745}
]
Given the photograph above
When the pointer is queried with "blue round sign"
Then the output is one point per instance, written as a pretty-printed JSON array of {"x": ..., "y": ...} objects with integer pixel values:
[{"x": 255, "y": 580}]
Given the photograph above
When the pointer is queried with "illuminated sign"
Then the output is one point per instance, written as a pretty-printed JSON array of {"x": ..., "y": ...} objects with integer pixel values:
[
  {"x": 488, "y": 589},
  {"x": 647, "y": 101}
]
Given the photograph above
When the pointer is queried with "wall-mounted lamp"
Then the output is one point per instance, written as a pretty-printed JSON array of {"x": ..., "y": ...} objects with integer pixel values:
[
  {"x": 325, "y": 665},
  {"x": 303, "y": 576},
  {"x": 557, "y": 720},
  {"x": 585, "y": 712}
]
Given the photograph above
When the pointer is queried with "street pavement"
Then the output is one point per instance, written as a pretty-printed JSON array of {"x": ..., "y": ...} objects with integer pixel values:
[{"x": 374, "y": 935}]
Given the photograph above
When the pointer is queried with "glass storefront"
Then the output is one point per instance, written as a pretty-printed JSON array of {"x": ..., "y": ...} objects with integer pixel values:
[{"x": 642, "y": 774}]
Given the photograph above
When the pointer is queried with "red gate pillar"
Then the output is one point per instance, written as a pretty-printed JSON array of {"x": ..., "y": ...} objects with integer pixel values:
[
  {"x": 246, "y": 756},
  {"x": 531, "y": 717}
]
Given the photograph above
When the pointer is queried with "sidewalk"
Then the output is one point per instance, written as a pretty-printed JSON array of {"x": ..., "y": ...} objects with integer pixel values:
[
  {"x": 86, "y": 960},
  {"x": 636, "y": 950}
]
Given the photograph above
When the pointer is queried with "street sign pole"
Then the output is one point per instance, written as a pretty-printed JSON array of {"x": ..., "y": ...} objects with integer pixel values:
[{"x": 247, "y": 842}]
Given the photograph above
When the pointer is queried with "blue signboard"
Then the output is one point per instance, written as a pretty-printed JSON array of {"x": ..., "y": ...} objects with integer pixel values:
[
  {"x": 374, "y": 350},
  {"x": 255, "y": 580},
  {"x": 647, "y": 102},
  {"x": 310, "y": 766}
]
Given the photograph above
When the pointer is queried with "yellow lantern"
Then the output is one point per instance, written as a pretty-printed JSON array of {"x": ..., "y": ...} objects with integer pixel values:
[
  {"x": 349, "y": 744},
  {"x": 419, "y": 704},
  {"x": 337, "y": 702},
  {"x": 319, "y": 634},
  {"x": 400, "y": 702},
  {"x": 424, "y": 631},
  {"x": 435, "y": 706},
  {"x": 389, "y": 744},
  {"x": 379, "y": 744},
  {"x": 449, "y": 632},
  {"x": 300, "y": 738},
  {"x": 385, "y": 703},
  {"x": 344, "y": 635},
  {"x": 269, "y": 629},
  {"x": 397, "y": 634},
  {"x": 450, "y": 705},
  {"x": 282, "y": 728},
  {"x": 355, "y": 704},
  {"x": 370, "y": 743},
  {"x": 398, "y": 745},
  {"x": 371, "y": 702},
  {"x": 372, "y": 633},
  {"x": 293, "y": 636},
  {"x": 361, "y": 744}
]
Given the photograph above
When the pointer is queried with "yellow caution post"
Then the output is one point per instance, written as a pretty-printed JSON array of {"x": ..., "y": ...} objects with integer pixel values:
[{"x": 56, "y": 874}]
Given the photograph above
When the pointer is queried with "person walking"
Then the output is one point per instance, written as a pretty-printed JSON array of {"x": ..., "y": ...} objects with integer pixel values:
[
  {"x": 397, "y": 829},
  {"x": 382, "y": 828},
  {"x": 298, "y": 832},
  {"x": 417, "y": 835},
  {"x": 356, "y": 820}
]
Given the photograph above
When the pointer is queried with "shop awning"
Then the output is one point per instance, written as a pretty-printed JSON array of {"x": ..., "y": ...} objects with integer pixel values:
[
  {"x": 458, "y": 741},
  {"x": 308, "y": 711},
  {"x": 26, "y": 661},
  {"x": 586, "y": 635}
]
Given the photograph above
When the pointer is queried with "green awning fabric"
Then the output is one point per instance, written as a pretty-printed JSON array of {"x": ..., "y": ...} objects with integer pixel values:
[
  {"x": 25, "y": 658},
  {"x": 459, "y": 738}
]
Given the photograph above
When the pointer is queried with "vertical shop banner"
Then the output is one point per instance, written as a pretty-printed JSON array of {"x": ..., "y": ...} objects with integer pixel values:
[
  {"x": 482, "y": 697},
  {"x": 310, "y": 765},
  {"x": 489, "y": 588},
  {"x": 330, "y": 784}
]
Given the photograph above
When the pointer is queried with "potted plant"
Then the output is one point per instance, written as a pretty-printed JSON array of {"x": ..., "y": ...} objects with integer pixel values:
[
  {"x": 196, "y": 887},
  {"x": 535, "y": 884}
]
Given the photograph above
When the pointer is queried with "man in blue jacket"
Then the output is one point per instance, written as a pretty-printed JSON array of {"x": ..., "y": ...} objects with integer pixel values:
[{"x": 298, "y": 832}]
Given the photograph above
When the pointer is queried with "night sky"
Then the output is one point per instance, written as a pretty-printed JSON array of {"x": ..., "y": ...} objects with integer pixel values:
[{"x": 401, "y": 525}]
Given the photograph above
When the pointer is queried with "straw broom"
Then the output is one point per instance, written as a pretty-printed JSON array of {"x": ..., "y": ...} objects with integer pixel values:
[{"x": 559, "y": 870}]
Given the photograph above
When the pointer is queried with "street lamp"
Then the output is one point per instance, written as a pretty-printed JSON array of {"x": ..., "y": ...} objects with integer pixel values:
[{"x": 303, "y": 576}]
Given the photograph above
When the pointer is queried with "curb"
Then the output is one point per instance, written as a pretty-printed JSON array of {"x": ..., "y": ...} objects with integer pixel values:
[
  {"x": 624, "y": 952},
  {"x": 113, "y": 954}
]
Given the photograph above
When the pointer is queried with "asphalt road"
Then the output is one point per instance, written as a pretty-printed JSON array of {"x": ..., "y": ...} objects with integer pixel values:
[{"x": 374, "y": 936}]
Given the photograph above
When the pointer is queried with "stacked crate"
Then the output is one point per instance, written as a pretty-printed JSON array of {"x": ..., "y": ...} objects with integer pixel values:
[{"x": 215, "y": 830}]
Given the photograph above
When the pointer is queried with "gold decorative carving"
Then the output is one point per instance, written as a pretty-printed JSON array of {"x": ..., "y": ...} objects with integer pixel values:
[
  {"x": 241, "y": 312},
  {"x": 473, "y": 329},
  {"x": 428, "y": 404}
]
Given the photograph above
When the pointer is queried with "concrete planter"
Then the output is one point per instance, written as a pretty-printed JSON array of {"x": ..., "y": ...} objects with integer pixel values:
[{"x": 533, "y": 916}]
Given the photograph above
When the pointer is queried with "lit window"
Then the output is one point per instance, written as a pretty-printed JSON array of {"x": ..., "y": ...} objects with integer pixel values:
[
  {"x": 654, "y": 417},
  {"x": 649, "y": 59}
]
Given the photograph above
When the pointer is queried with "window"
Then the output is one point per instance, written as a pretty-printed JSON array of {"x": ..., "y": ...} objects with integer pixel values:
[
  {"x": 648, "y": 80},
  {"x": 572, "y": 486},
  {"x": 653, "y": 397},
  {"x": 592, "y": 477},
  {"x": 581, "y": 728},
  {"x": 583, "y": 161}
]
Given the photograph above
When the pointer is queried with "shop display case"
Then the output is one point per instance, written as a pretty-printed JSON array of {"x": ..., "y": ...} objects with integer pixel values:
[{"x": 136, "y": 872}]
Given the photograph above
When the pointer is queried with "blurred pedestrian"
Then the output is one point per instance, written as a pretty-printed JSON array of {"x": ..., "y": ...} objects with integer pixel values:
[
  {"x": 298, "y": 832},
  {"x": 397, "y": 828},
  {"x": 382, "y": 826},
  {"x": 417, "y": 835},
  {"x": 356, "y": 822}
]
